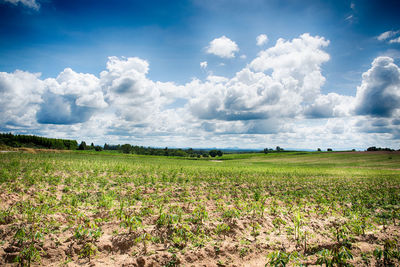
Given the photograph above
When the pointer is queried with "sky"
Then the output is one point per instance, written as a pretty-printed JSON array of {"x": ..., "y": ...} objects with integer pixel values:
[{"x": 203, "y": 73}]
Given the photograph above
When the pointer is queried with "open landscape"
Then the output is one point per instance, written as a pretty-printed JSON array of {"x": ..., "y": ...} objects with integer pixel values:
[
  {"x": 202, "y": 133},
  {"x": 86, "y": 208}
]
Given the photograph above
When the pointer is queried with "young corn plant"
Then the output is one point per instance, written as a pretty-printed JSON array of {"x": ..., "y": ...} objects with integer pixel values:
[
  {"x": 281, "y": 258},
  {"x": 339, "y": 256},
  {"x": 223, "y": 229},
  {"x": 28, "y": 238},
  {"x": 278, "y": 222},
  {"x": 88, "y": 251},
  {"x": 131, "y": 221},
  {"x": 389, "y": 252}
]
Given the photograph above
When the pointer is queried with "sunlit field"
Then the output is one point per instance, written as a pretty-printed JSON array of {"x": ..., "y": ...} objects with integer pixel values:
[{"x": 293, "y": 208}]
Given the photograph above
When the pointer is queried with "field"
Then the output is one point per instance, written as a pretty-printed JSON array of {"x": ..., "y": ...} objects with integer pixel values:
[{"x": 99, "y": 209}]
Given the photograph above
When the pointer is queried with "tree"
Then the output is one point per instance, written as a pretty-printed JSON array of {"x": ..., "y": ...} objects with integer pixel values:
[
  {"x": 319, "y": 149},
  {"x": 219, "y": 153},
  {"x": 213, "y": 153},
  {"x": 329, "y": 149},
  {"x": 82, "y": 146},
  {"x": 127, "y": 148}
]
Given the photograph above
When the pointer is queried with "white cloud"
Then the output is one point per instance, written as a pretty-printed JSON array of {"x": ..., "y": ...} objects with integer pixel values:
[
  {"x": 330, "y": 105},
  {"x": 223, "y": 47},
  {"x": 28, "y": 3},
  {"x": 203, "y": 64},
  {"x": 379, "y": 93},
  {"x": 296, "y": 64},
  {"x": 70, "y": 98},
  {"x": 243, "y": 56},
  {"x": 20, "y": 96},
  {"x": 262, "y": 39},
  {"x": 252, "y": 95},
  {"x": 395, "y": 40},
  {"x": 386, "y": 35},
  {"x": 217, "y": 79},
  {"x": 276, "y": 100}
]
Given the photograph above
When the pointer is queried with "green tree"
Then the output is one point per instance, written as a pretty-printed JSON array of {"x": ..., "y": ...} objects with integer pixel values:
[
  {"x": 127, "y": 148},
  {"x": 213, "y": 153},
  {"x": 82, "y": 146}
]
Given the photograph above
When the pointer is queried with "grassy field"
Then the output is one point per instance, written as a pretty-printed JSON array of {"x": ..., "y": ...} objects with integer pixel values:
[{"x": 295, "y": 208}]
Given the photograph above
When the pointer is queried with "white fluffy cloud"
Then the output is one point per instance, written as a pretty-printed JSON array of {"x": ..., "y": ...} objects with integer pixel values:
[
  {"x": 20, "y": 96},
  {"x": 223, "y": 47},
  {"x": 28, "y": 3},
  {"x": 330, "y": 105},
  {"x": 252, "y": 95},
  {"x": 262, "y": 39},
  {"x": 275, "y": 99},
  {"x": 379, "y": 93},
  {"x": 203, "y": 64},
  {"x": 70, "y": 98},
  {"x": 131, "y": 93}
]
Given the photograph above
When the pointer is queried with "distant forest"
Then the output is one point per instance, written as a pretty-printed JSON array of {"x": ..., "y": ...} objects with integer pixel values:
[{"x": 32, "y": 141}]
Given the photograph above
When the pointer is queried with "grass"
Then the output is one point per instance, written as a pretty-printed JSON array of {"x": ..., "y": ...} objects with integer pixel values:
[{"x": 292, "y": 208}]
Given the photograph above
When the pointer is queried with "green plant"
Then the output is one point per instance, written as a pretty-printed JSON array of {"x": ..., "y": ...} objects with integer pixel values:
[
  {"x": 278, "y": 222},
  {"x": 223, "y": 229},
  {"x": 132, "y": 222},
  {"x": 338, "y": 256},
  {"x": 27, "y": 238},
  {"x": 388, "y": 253},
  {"x": 88, "y": 250},
  {"x": 280, "y": 258}
]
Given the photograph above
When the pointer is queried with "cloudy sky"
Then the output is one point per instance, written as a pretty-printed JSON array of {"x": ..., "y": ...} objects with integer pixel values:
[{"x": 203, "y": 73}]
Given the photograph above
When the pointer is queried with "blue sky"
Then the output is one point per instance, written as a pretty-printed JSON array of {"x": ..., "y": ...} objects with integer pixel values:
[{"x": 190, "y": 73}]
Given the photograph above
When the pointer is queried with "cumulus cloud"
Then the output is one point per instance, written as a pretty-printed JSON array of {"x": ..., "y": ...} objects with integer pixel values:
[
  {"x": 330, "y": 105},
  {"x": 203, "y": 64},
  {"x": 70, "y": 98},
  {"x": 277, "y": 94},
  {"x": 20, "y": 96},
  {"x": 127, "y": 88},
  {"x": 296, "y": 64},
  {"x": 262, "y": 39},
  {"x": 253, "y": 101},
  {"x": 28, "y": 3},
  {"x": 223, "y": 47},
  {"x": 62, "y": 109},
  {"x": 379, "y": 93}
]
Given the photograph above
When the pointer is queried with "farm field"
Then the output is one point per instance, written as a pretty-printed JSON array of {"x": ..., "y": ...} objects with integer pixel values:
[{"x": 293, "y": 208}]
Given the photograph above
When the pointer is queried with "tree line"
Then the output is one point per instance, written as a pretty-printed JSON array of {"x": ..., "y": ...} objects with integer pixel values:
[
  {"x": 33, "y": 141},
  {"x": 176, "y": 152}
]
